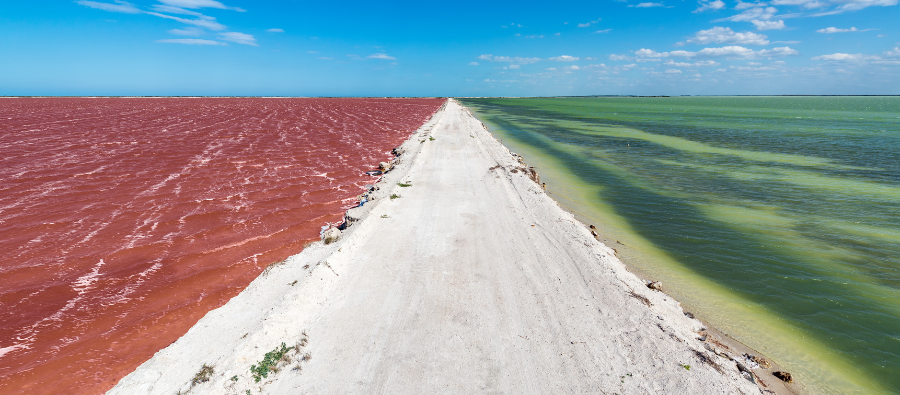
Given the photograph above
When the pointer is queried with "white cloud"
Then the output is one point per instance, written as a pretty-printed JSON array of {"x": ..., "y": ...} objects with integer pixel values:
[
  {"x": 176, "y": 10},
  {"x": 673, "y": 71},
  {"x": 743, "y": 6},
  {"x": 710, "y": 5},
  {"x": 649, "y": 53},
  {"x": 564, "y": 58},
  {"x": 240, "y": 38},
  {"x": 808, "y": 4},
  {"x": 381, "y": 56},
  {"x": 829, "y": 30},
  {"x": 473, "y": 63},
  {"x": 841, "y": 57},
  {"x": 188, "y": 31},
  {"x": 647, "y": 5},
  {"x": 701, "y": 63},
  {"x": 573, "y": 67},
  {"x": 724, "y": 35},
  {"x": 619, "y": 57},
  {"x": 755, "y": 13},
  {"x": 191, "y": 41},
  {"x": 551, "y": 69},
  {"x": 891, "y": 57},
  {"x": 492, "y": 58},
  {"x": 119, "y": 6},
  {"x": 207, "y": 22},
  {"x": 603, "y": 31},
  {"x": 275, "y": 30},
  {"x": 768, "y": 25},
  {"x": 514, "y": 66},
  {"x": 856, "y": 5},
  {"x": 199, "y": 4},
  {"x": 762, "y": 17},
  {"x": 731, "y": 51},
  {"x": 584, "y": 24}
]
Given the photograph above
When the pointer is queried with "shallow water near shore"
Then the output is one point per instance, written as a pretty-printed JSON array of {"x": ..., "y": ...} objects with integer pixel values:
[{"x": 773, "y": 218}]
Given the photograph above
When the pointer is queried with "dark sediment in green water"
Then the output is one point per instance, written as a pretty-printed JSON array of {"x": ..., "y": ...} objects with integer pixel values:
[{"x": 776, "y": 218}]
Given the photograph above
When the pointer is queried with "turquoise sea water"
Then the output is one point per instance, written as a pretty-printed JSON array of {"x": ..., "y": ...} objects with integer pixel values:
[{"x": 776, "y": 219}]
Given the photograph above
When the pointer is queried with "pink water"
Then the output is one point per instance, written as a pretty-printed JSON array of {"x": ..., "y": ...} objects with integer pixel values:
[{"x": 123, "y": 221}]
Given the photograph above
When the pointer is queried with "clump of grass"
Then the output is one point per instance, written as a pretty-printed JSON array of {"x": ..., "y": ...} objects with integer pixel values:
[
  {"x": 270, "y": 362},
  {"x": 234, "y": 378},
  {"x": 273, "y": 265},
  {"x": 402, "y": 185},
  {"x": 384, "y": 216},
  {"x": 330, "y": 239},
  {"x": 686, "y": 367},
  {"x": 203, "y": 375},
  {"x": 394, "y": 196},
  {"x": 430, "y": 138},
  {"x": 306, "y": 357}
]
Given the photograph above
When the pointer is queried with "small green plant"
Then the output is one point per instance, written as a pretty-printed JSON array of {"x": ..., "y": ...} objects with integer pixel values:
[
  {"x": 203, "y": 375},
  {"x": 686, "y": 367},
  {"x": 394, "y": 196},
  {"x": 293, "y": 283},
  {"x": 247, "y": 392},
  {"x": 270, "y": 362},
  {"x": 402, "y": 185},
  {"x": 234, "y": 378},
  {"x": 430, "y": 138},
  {"x": 384, "y": 216}
]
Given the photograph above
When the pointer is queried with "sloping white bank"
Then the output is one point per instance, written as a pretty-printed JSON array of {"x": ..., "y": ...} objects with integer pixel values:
[{"x": 471, "y": 280}]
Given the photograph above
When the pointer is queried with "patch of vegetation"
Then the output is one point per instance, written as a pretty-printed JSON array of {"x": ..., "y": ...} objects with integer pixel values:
[
  {"x": 274, "y": 265},
  {"x": 402, "y": 185},
  {"x": 203, "y": 375},
  {"x": 293, "y": 283},
  {"x": 394, "y": 196},
  {"x": 270, "y": 362},
  {"x": 430, "y": 138},
  {"x": 234, "y": 378},
  {"x": 384, "y": 216},
  {"x": 686, "y": 367}
]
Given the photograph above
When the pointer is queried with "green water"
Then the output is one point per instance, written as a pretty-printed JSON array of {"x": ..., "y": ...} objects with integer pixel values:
[{"x": 776, "y": 219}]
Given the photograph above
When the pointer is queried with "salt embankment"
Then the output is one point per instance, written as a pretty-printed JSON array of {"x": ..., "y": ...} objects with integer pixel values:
[{"x": 459, "y": 275}]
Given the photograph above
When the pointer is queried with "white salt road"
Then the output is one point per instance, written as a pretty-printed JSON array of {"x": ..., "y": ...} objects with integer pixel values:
[{"x": 473, "y": 280}]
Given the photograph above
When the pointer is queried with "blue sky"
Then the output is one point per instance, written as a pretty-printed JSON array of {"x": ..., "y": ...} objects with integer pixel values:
[{"x": 456, "y": 48}]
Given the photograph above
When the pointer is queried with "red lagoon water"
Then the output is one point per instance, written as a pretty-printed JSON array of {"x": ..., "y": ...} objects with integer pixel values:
[{"x": 123, "y": 221}]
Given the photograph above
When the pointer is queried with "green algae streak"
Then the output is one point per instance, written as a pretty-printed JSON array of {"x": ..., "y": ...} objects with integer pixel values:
[{"x": 776, "y": 219}]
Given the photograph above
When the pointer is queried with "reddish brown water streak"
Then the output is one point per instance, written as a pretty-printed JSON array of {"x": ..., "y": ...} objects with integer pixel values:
[{"x": 123, "y": 221}]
